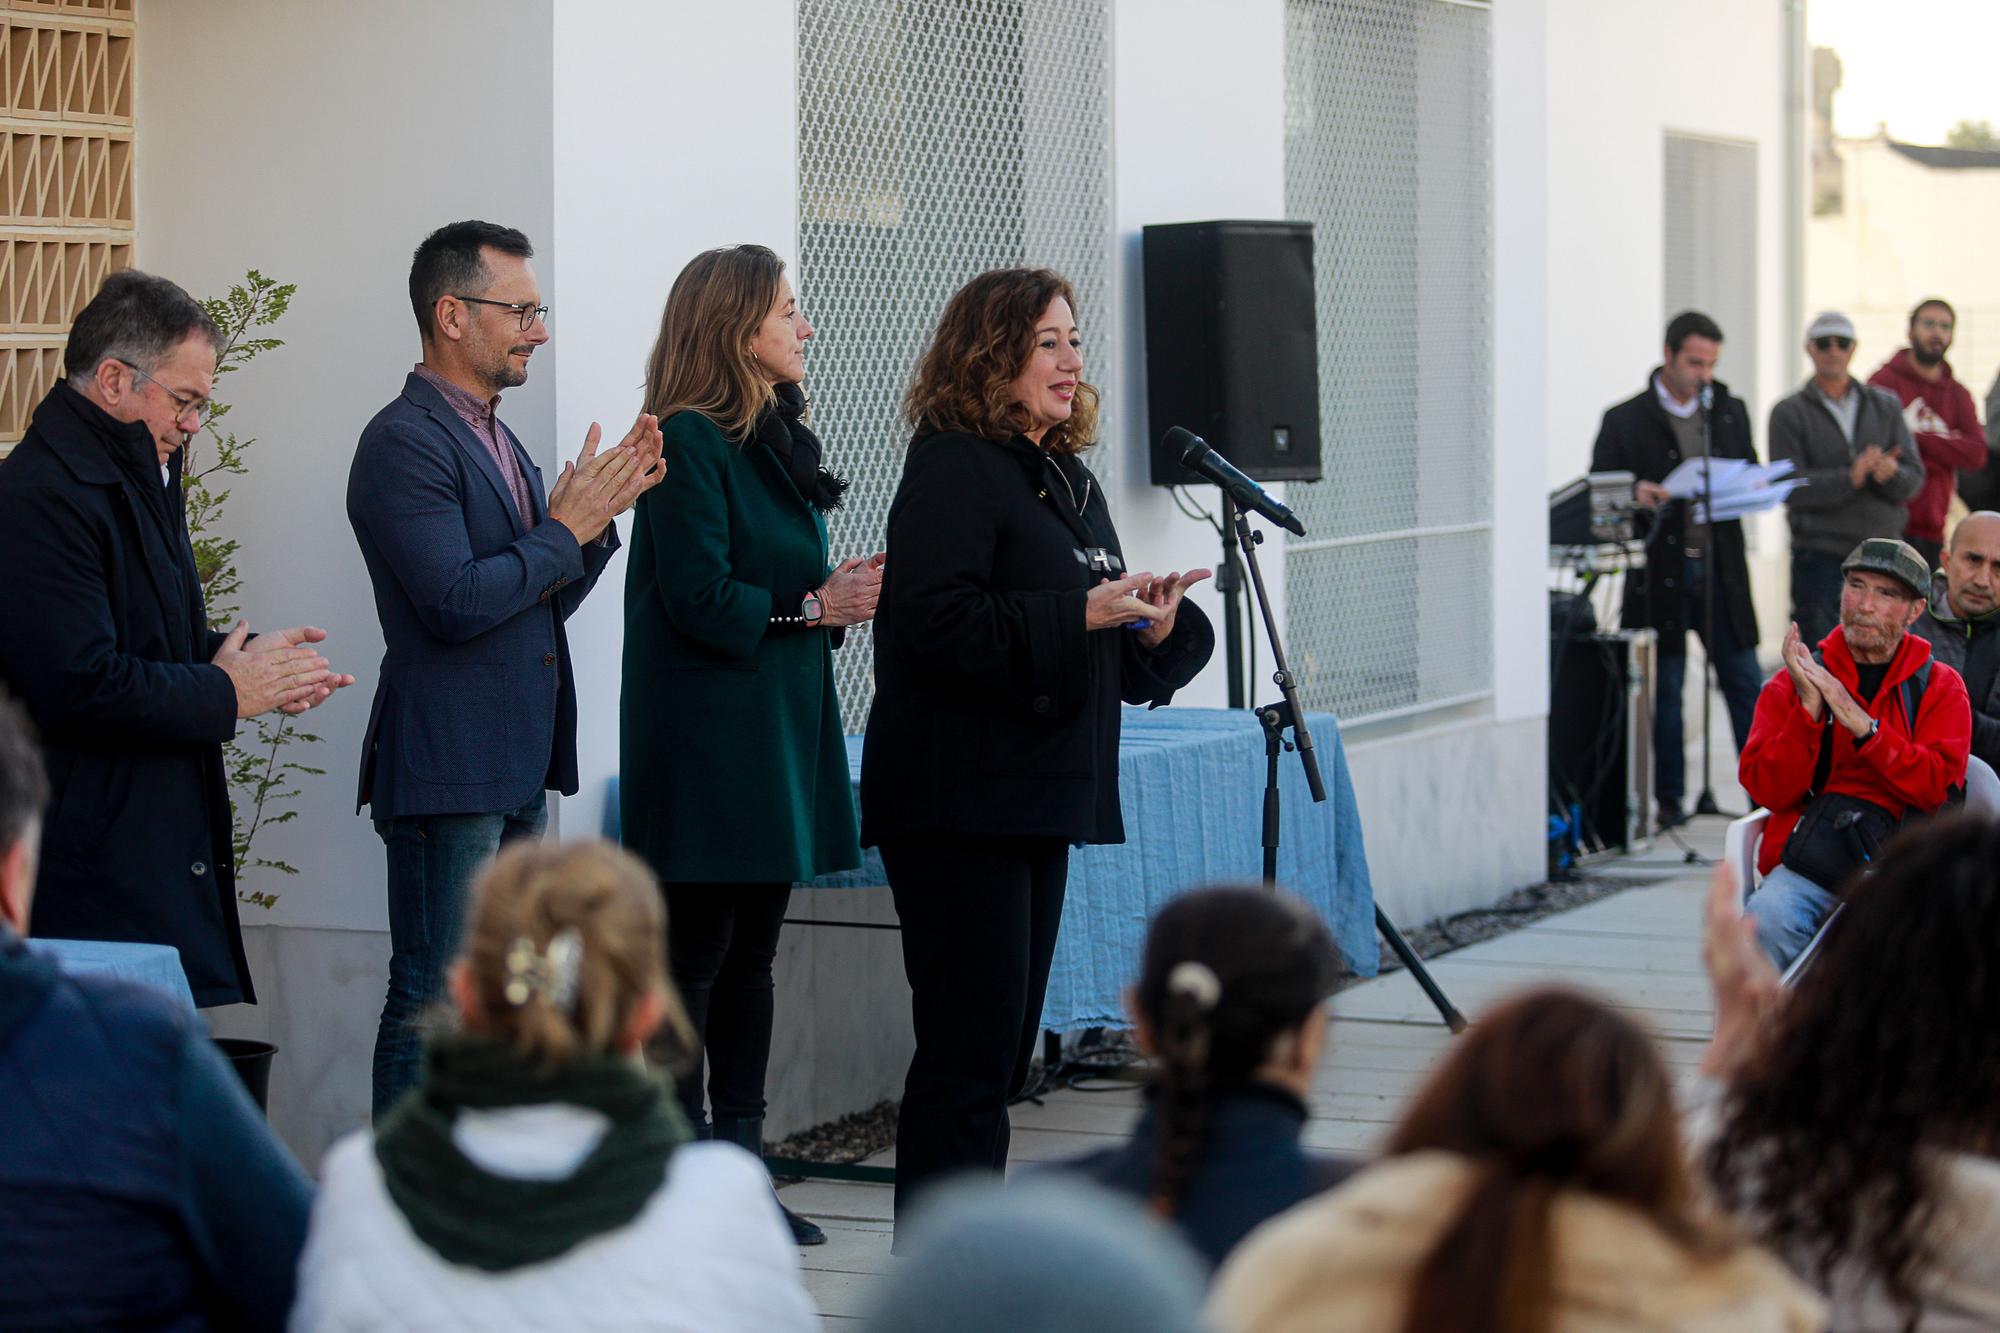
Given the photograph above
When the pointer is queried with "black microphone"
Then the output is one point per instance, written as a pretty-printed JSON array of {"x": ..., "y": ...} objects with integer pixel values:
[{"x": 1197, "y": 457}]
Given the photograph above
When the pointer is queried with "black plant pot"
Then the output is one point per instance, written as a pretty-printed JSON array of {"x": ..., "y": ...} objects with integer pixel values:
[{"x": 251, "y": 1060}]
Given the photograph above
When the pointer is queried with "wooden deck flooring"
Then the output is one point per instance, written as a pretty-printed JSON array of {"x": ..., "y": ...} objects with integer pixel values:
[{"x": 1639, "y": 949}]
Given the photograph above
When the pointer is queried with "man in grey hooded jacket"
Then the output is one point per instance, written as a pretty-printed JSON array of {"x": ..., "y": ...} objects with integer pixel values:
[
  {"x": 1850, "y": 443},
  {"x": 1960, "y": 620}
]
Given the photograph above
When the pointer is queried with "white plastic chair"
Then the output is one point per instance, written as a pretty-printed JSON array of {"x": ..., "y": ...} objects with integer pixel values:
[
  {"x": 1739, "y": 849},
  {"x": 1982, "y": 787}
]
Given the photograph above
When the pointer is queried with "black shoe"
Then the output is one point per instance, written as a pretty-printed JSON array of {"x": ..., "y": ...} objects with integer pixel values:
[
  {"x": 749, "y": 1135},
  {"x": 1671, "y": 816},
  {"x": 804, "y": 1231}
]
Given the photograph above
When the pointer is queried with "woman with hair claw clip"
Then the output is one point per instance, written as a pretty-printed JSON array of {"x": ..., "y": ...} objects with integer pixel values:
[
  {"x": 539, "y": 1175},
  {"x": 1230, "y": 1006}
]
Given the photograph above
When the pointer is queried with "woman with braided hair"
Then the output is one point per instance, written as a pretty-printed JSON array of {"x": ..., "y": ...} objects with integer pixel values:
[
  {"x": 1229, "y": 1005},
  {"x": 539, "y": 1176}
]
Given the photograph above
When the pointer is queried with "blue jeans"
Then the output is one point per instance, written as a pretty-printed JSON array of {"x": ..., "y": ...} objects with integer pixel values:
[
  {"x": 432, "y": 861},
  {"x": 1736, "y": 670},
  {"x": 1789, "y": 910},
  {"x": 1816, "y": 580}
]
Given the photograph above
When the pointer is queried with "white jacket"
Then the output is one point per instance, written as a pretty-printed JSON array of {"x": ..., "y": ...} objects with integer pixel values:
[{"x": 709, "y": 1252}]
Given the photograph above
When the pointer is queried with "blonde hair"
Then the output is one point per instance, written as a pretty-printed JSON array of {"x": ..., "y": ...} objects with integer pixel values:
[
  {"x": 589, "y": 899},
  {"x": 701, "y": 361}
]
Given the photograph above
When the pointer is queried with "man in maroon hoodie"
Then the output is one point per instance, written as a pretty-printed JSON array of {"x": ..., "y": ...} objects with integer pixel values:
[{"x": 1941, "y": 417}]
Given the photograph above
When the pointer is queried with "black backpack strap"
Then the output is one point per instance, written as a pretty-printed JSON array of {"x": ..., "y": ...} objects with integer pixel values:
[{"x": 1913, "y": 694}]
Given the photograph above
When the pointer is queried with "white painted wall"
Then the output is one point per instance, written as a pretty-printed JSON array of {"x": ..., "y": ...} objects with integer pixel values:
[
  {"x": 1909, "y": 231},
  {"x": 656, "y": 159},
  {"x": 1198, "y": 117},
  {"x": 1619, "y": 75},
  {"x": 1524, "y": 262},
  {"x": 320, "y": 143}
]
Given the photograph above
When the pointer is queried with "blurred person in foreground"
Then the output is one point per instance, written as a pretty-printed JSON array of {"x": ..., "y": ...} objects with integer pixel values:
[
  {"x": 1649, "y": 435},
  {"x": 1231, "y": 1006},
  {"x": 105, "y": 640},
  {"x": 1851, "y": 1120},
  {"x": 1941, "y": 417},
  {"x": 140, "y": 1186},
  {"x": 1849, "y": 441},
  {"x": 1959, "y": 620},
  {"x": 1851, "y": 740},
  {"x": 539, "y": 1176},
  {"x": 1538, "y": 1184},
  {"x": 1048, "y": 1255}
]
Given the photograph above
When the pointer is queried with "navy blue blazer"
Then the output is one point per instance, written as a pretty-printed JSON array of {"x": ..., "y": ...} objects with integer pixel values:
[{"x": 475, "y": 708}]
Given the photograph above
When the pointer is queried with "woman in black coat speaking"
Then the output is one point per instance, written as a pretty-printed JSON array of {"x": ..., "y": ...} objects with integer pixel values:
[{"x": 1007, "y": 633}]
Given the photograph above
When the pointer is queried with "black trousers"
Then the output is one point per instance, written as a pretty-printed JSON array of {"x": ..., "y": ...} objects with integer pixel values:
[
  {"x": 721, "y": 939},
  {"x": 979, "y": 931}
]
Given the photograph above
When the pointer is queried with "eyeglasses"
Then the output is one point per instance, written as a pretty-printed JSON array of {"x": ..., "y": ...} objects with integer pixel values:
[
  {"x": 184, "y": 403},
  {"x": 526, "y": 311},
  {"x": 1831, "y": 341}
]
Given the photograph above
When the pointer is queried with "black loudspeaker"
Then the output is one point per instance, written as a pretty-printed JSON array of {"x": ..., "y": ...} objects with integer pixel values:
[{"x": 1232, "y": 346}]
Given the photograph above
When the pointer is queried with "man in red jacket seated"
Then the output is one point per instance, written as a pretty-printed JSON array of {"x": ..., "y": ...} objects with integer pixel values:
[{"x": 1848, "y": 742}]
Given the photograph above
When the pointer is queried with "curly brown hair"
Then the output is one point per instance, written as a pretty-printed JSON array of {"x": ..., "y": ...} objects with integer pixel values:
[
  {"x": 964, "y": 380},
  {"x": 1885, "y": 1053}
]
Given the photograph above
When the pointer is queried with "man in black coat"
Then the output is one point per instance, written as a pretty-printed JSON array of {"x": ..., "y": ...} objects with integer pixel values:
[
  {"x": 104, "y": 638},
  {"x": 1649, "y": 435}
]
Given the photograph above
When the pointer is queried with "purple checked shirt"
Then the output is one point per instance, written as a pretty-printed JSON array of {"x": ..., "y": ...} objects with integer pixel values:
[{"x": 483, "y": 417}]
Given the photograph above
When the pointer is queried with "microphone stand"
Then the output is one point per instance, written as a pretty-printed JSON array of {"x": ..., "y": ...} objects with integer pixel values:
[
  {"x": 1229, "y": 582},
  {"x": 1288, "y": 713},
  {"x": 1706, "y": 804}
]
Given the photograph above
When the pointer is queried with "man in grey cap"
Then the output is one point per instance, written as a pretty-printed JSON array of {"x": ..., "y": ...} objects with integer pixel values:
[
  {"x": 1848, "y": 742},
  {"x": 1850, "y": 443}
]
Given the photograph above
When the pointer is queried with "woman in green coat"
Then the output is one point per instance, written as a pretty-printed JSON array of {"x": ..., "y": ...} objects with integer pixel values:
[{"x": 734, "y": 783}]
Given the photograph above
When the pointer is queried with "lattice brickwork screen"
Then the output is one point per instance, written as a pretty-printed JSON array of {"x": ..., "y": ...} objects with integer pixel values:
[
  {"x": 1710, "y": 248},
  {"x": 66, "y": 69},
  {"x": 938, "y": 139},
  {"x": 1388, "y": 149}
]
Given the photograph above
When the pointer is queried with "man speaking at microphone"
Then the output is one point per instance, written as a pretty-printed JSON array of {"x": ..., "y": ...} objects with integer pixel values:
[{"x": 1649, "y": 435}]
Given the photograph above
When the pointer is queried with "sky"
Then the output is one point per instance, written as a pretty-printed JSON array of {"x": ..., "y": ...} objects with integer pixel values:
[{"x": 1922, "y": 67}]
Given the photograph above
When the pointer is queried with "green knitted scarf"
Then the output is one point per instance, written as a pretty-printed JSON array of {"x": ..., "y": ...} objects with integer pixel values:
[{"x": 496, "y": 1223}]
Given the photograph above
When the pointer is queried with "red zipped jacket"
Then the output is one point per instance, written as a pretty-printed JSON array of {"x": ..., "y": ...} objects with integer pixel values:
[
  {"x": 1902, "y": 767},
  {"x": 1961, "y": 444}
]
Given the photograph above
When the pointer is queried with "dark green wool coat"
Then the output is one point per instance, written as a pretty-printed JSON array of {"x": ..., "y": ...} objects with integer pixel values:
[{"x": 732, "y": 763}]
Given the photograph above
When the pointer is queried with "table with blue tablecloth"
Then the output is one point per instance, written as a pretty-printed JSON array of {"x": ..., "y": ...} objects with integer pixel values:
[
  {"x": 1191, "y": 784},
  {"x": 154, "y": 965}
]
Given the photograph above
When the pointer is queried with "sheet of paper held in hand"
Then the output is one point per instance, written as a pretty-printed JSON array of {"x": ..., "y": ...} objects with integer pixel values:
[{"x": 1736, "y": 485}]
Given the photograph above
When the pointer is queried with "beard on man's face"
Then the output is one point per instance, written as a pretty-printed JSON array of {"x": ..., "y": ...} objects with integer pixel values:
[{"x": 1869, "y": 633}]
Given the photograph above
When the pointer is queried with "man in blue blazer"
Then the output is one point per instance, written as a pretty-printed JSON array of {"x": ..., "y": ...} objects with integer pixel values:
[{"x": 474, "y": 573}]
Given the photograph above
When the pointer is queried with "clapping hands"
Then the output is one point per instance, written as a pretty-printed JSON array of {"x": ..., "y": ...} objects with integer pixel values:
[{"x": 597, "y": 488}]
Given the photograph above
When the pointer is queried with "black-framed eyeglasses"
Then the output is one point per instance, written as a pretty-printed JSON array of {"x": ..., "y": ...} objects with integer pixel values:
[
  {"x": 1831, "y": 341},
  {"x": 527, "y": 312},
  {"x": 184, "y": 403}
]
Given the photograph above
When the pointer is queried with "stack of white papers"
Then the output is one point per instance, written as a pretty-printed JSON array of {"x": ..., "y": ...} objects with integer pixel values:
[{"x": 1735, "y": 486}]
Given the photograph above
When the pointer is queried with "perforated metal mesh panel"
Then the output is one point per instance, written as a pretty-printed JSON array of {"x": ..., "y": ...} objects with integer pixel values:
[
  {"x": 1388, "y": 148},
  {"x": 938, "y": 139},
  {"x": 1710, "y": 247}
]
